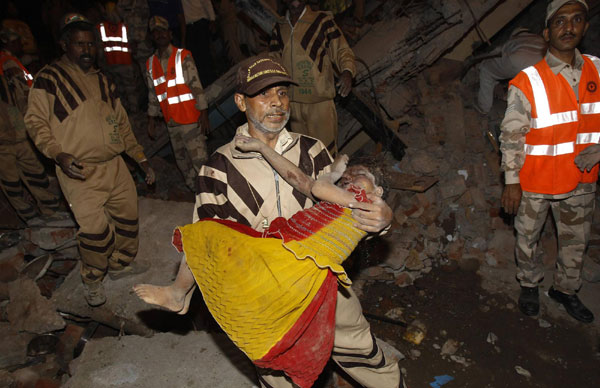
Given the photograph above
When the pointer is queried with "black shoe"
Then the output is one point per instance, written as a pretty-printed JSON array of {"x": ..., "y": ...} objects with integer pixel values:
[
  {"x": 573, "y": 305},
  {"x": 529, "y": 301}
]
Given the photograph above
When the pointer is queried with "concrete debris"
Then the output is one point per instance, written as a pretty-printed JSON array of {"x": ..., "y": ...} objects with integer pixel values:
[
  {"x": 118, "y": 362},
  {"x": 14, "y": 346},
  {"x": 29, "y": 311},
  {"x": 492, "y": 338},
  {"x": 51, "y": 238},
  {"x": 415, "y": 353},
  {"x": 415, "y": 332},
  {"x": 11, "y": 262},
  {"x": 395, "y": 313},
  {"x": 449, "y": 347},
  {"x": 522, "y": 371},
  {"x": 461, "y": 360},
  {"x": 544, "y": 324}
]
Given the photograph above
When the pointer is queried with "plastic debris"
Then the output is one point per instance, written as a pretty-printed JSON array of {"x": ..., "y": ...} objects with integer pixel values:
[{"x": 440, "y": 380}]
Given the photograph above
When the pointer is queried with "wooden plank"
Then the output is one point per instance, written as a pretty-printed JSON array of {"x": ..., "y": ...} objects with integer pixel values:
[{"x": 409, "y": 182}]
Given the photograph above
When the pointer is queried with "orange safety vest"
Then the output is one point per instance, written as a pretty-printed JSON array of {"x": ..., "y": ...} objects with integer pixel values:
[
  {"x": 561, "y": 127},
  {"x": 175, "y": 97},
  {"x": 4, "y": 56},
  {"x": 115, "y": 43}
]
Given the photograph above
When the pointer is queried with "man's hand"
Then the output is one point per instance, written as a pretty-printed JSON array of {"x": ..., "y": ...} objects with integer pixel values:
[
  {"x": 371, "y": 217},
  {"x": 150, "y": 176},
  {"x": 70, "y": 166},
  {"x": 203, "y": 122},
  {"x": 511, "y": 198},
  {"x": 152, "y": 127},
  {"x": 247, "y": 144},
  {"x": 345, "y": 83},
  {"x": 588, "y": 158}
]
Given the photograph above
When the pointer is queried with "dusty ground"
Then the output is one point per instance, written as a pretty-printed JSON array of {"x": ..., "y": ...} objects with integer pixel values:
[{"x": 452, "y": 305}]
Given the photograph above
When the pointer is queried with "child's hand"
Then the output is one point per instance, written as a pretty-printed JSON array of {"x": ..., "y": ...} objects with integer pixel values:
[
  {"x": 247, "y": 144},
  {"x": 339, "y": 164}
]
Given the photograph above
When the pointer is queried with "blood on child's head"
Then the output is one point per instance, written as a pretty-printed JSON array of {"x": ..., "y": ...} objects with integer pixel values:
[{"x": 364, "y": 170}]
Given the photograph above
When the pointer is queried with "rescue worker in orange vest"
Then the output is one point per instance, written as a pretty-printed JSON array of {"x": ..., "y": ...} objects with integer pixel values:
[
  {"x": 18, "y": 162},
  {"x": 116, "y": 61},
  {"x": 550, "y": 137},
  {"x": 175, "y": 90}
]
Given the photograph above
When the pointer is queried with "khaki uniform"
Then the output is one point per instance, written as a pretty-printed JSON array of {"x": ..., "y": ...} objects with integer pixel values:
[
  {"x": 309, "y": 52},
  {"x": 188, "y": 141},
  {"x": 18, "y": 162},
  {"x": 243, "y": 187},
  {"x": 572, "y": 211},
  {"x": 522, "y": 50},
  {"x": 80, "y": 114}
]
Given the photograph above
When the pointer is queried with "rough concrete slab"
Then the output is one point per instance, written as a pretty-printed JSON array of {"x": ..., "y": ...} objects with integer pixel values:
[
  {"x": 123, "y": 310},
  {"x": 196, "y": 360}
]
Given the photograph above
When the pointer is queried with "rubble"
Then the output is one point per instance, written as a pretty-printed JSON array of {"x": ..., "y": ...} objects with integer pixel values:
[
  {"x": 449, "y": 347},
  {"x": 29, "y": 311},
  {"x": 415, "y": 332},
  {"x": 14, "y": 346},
  {"x": 522, "y": 371}
]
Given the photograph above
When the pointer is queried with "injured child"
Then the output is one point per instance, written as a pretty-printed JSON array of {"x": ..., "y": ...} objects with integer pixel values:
[{"x": 274, "y": 293}]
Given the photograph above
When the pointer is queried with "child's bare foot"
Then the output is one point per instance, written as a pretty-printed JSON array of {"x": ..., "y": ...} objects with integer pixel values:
[
  {"x": 168, "y": 297},
  {"x": 186, "y": 302}
]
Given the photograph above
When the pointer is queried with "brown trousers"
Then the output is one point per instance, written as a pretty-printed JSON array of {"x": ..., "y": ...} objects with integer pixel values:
[
  {"x": 355, "y": 350},
  {"x": 19, "y": 163},
  {"x": 105, "y": 207},
  {"x": 318, "y": 120}
]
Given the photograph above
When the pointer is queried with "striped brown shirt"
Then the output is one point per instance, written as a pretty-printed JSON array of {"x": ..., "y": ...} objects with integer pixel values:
[
  {"x": 243, "y": 187},
  {"x": 309, "y": 52},
  {"x": 78, "y": 113}
]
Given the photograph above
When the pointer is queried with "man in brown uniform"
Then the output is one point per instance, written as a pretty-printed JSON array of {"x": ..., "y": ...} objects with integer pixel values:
[
  {"x": 18, "y": 162},
  {"x": 310, "y": 44},
  {"x": 76, "y": 119}
]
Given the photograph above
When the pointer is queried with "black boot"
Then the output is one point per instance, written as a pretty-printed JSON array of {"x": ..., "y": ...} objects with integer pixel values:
[
  {"x": 529, "y": 301},
  {"x": 573, "y": 305}
]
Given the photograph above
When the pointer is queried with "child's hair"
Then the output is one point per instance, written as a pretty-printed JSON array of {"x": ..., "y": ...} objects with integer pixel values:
[{"x": 376, "y": 166}]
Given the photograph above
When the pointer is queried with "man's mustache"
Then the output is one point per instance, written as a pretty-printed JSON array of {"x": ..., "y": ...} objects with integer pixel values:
[
  {"x": 276, "y": 112},
  {"x": 567, "y": 35}
]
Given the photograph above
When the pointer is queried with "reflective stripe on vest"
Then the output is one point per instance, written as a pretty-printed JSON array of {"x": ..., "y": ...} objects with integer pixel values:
[
  {"x": 545, "y": 118},
  {"x": 174, "y": 96},
  {"x": 179, "y": 80},
  {"x": 120, "y": 39},
  {"x": 550, "y": 150}
]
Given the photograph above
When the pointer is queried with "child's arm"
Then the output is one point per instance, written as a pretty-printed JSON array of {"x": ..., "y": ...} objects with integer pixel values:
[
  {"x": 323, "y": 188},
  {"x": 290, "y": 172}
]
